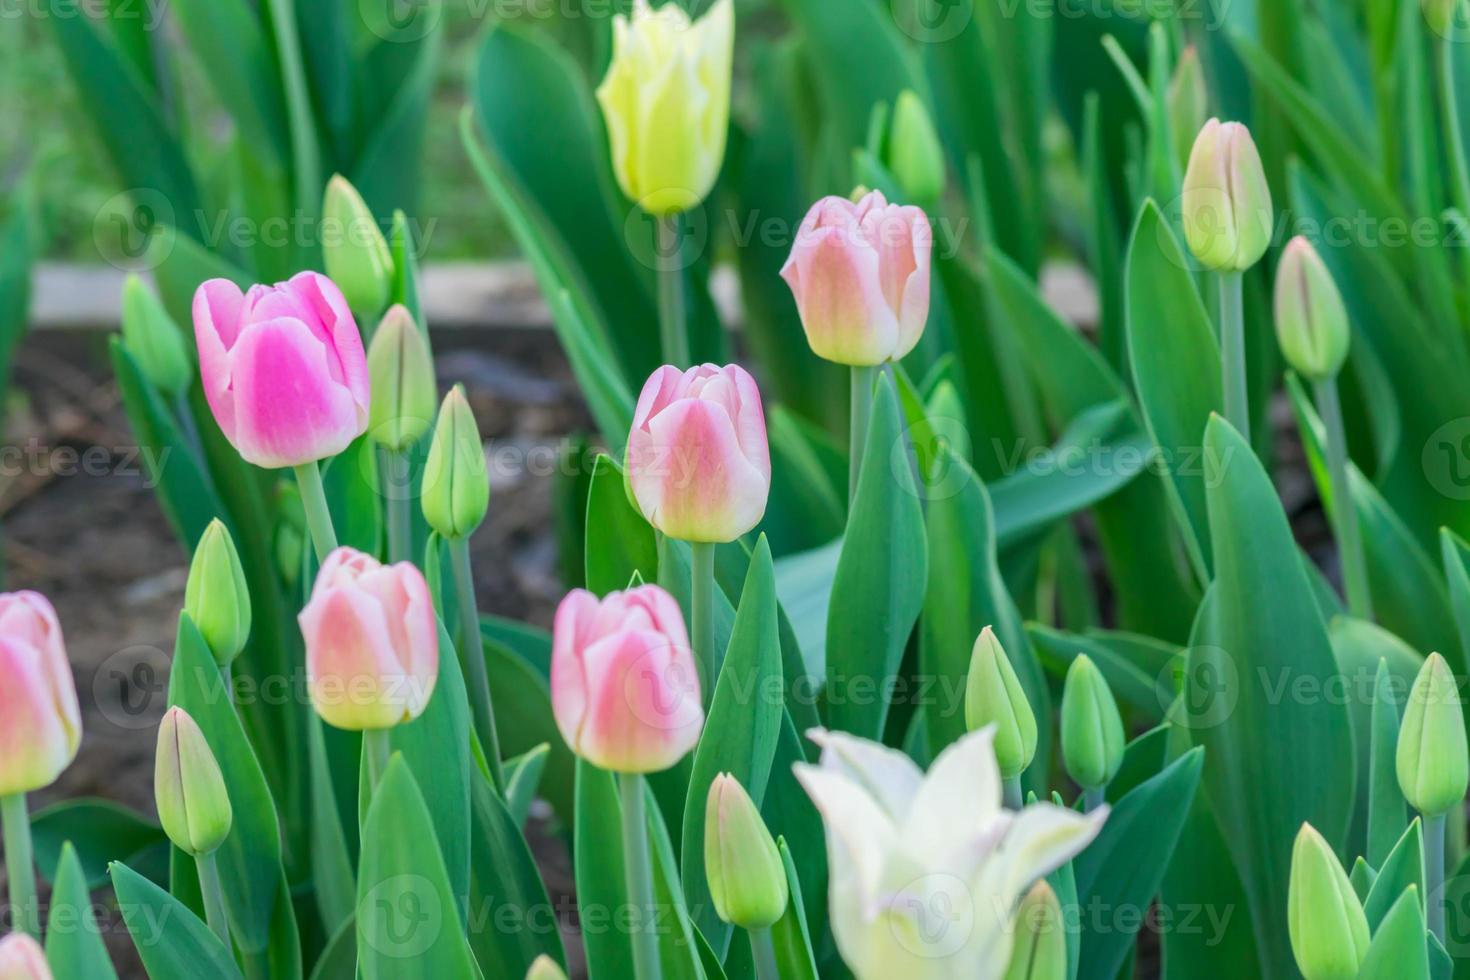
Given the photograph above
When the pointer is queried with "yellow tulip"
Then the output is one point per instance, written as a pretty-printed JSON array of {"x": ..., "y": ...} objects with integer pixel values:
[{"x": 666, "y": 99}]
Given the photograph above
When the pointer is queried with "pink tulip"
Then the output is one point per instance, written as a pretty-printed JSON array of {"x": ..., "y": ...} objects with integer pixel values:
[
  {"x": 21, "y": 958},
  {"x": 860, "y": 275},
  {"x": 372, "y": 642},
  {"x": 698, "y": 460},
  {"x": 624, "y": 687},
  {"x": 40, "y": 722},
  {"x": 283, "y": 368}
]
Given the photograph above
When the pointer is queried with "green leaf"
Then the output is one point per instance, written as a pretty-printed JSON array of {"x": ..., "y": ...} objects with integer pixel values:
[
  {"x": 1273, "y": 763},
  {"x": 171, "y": 940},
  {"x": 1398, "y": 948},
  {"x": 339, "y": 960},
  {"x": 1386, "y": 805},
  {"x": 598, "y": 862},
  {"x": 791, "y": 816},
  {"x": 227, "y": 38},
  {"x": 1139, "y": 670},
  {"x": 1176, "y": 366},
  {"x": 790, "y": 936},
  {"x": 333, "y": 880},
  {"x": 350, "y": 481},
  {"x": 387, "y": 173},
  {"x": 1402, "y": 870},
  {"x": 407, "y": 917},
  {"x": 74, "y": 946},
  {"x": 1455, "y": 556},
  {"x": 1124, "y": 867},
  {"x": 807, "y": 505},
  {"x": 878, "y": 589},
  {"x": 98, "y": 831},
  {"x": 522, "y": 776},
  {"x": 619, "y": 541},
  {"x": 740, "y": 732},
  {"x": 522, "y": 698}
]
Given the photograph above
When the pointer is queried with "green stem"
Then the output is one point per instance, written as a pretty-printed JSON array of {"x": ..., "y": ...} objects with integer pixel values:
[
  {"x": 1344, "y": 509},
  {"x": 214, "y": 896},
  {"x": 472, "y": 660},
  {"x": 702, "y": 609},
  {"x": 1434, "y": 874},
  {"x": 1232, "y": 353},
  {"x": 1094, "y": 798},
  {"x": 1455, "y": 137},
  {"x": 396, "y": 486},
  {"x": 377, "y": 746},
  {"x": 673, "y": 328},
  {"x": 318, "y": 514},
  {"x": 863, "y": 378},
  {"x": 764, "y": 949},
  {"x": 305, "y": 154},
  {"x": 1013, "y": 798},
  {"x": 639, "y": 873},
  {"x": 20, "y": 865}
]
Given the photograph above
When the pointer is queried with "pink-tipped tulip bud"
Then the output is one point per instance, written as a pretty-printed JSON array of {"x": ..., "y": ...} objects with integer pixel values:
[
  {"x": 1311, "y": 319},
  {"x": 747, "y": 879},
  {"x": 372, "y": 642},
  {"x": 189, "y": 788},
  {"x": 624, "y": 686},
  {"x": 860, "y": 274},
  {"x": 283, "y": 368},
  {"x": 21, "y": 958},
  {"x": 40, "y": 722},
  {"x": 698, "y": 461},
  {"x": 1227, "y": 205}
]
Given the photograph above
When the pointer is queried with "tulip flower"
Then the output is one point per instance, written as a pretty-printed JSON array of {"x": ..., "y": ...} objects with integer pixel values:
[
  {"x": 698, "y": 461},
  {"x": 993, "y": 696},
  {"x": 216, "y": 596},
  {"x": 747, "y": 879},
  {"x": 354, "y": 251},
  {"x": 283, "y": 367},
  {"x": 1328, "y": 928},
  {"x": 666, "y": 101},
  {"x": 372, "y": 642},
  {"x": 860, "y": 275},
  {"x": 40, "y": 721},
  {"x": 154, "y": 340},
  {"x": 1041, "y": 938},
  {"x": 193, "y": 805},
  {"x": 927, "y": 868},
  {"x": 21, "y": 958},
  {"x": 1311, "y": 320},
  {"x": 1092, "y": 730},
  {"x": 624, "y": 687},
  {"x": 1227, "y": 205}
]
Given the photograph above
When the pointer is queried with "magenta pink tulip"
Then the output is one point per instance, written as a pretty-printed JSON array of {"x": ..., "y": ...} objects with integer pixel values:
[
  {"x": 40, "y": 722},
  {"x": 21, "y": 958},
  {"x": 860, "y": 275},
  {"x": 624, "y": 687},
  {"x": 372, "y": 642},
  {"x": 283, "y": 368},
  {"x": 698, "y": 460}
]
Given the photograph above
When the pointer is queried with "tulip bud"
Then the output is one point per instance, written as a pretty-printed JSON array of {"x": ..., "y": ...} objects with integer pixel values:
[
  {"x": 1092, "y": 730},
  {"x": 624, "y": 685},
  {"x": 154, "y": 339},
  {"x": 355, "y": 252},
  {"x": 698, "y": 460},
  {"x": 1188, "y": 101},
  {"x": 1433, "y": 767},
  {"x": 666, "y": 101},
  {"x": 1227, "y": 205},
  {"x": 545, "y": 968},
  {"x": 747, "y": 878},
  {"x": 1040, "y": 952},
  {"x": 1311, "y": 320},
  {"x": 860, "y": 274},
  {"x": 456, "y": 479},
  {"x": 21, "y": 958},
  {"x": 404, "y": 390},
  {"x": 216, "y": 596},
  {"x": 193, "y": 804},
  {"x": 40, "y": 721},
  {"x": 993, "y": 696},
  {"x": 915, "y": 155},
  {"x": 1440, "y": 15},
  {"x": 1329, "y": 931},
  {"x": 372, "y": 642}
]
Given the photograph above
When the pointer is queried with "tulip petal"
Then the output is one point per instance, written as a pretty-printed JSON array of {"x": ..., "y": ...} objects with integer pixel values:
[
  {"x": 843, "y": 310},
  {"x": 218, "y": 304},
  {"x": 959, "y": 797},
  {"x": 348, "y": 359},
  {"x": 35, "y": 746},
  {"x": 356, "y": 681},
  {"x": 1042, "y": 838},
  {"x": 889, "y": 776},
  {"x": 644, "y": 712}
]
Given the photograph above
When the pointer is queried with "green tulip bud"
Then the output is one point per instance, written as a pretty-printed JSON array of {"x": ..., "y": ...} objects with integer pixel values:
[
  {"x": 1040, "y": 952},
  {"x": 1311, "y": 320},
  {"x": 1187, "y": 101},
  {"x": 216, "y": 596},
  {"x": 401, "y": 370},
  {"x": 154, "y": 339},
  {"x": 545, "y": 968},
  {"x": 993, "y": 696},
  {"x": 1329, "y": 932},
  {"x": 1227, "y": 205},
  {"x": 354, "y": 250},
  {"x": 747, "y": 879},
  {"x": 193, "y": 805},
  {"x": 456, "y": 480},
  {"x": 1440, "y": 15},
  {"x": 915, "y": 155},
  {"x": 1092, "y": 730},
  {"x": 1433, "y": 766}
]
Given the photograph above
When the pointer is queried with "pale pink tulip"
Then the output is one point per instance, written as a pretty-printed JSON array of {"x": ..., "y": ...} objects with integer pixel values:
[
  {"x": 698, "y": 460},
  {"x": 860, "y": 275},
  {"x": 372, "y": 642},
  {"x": 21, "y": 958},
  {"x": 283, "y": 367},
  {"x": 40, "y": 722},
  {"x": 624, "y": 687}
]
